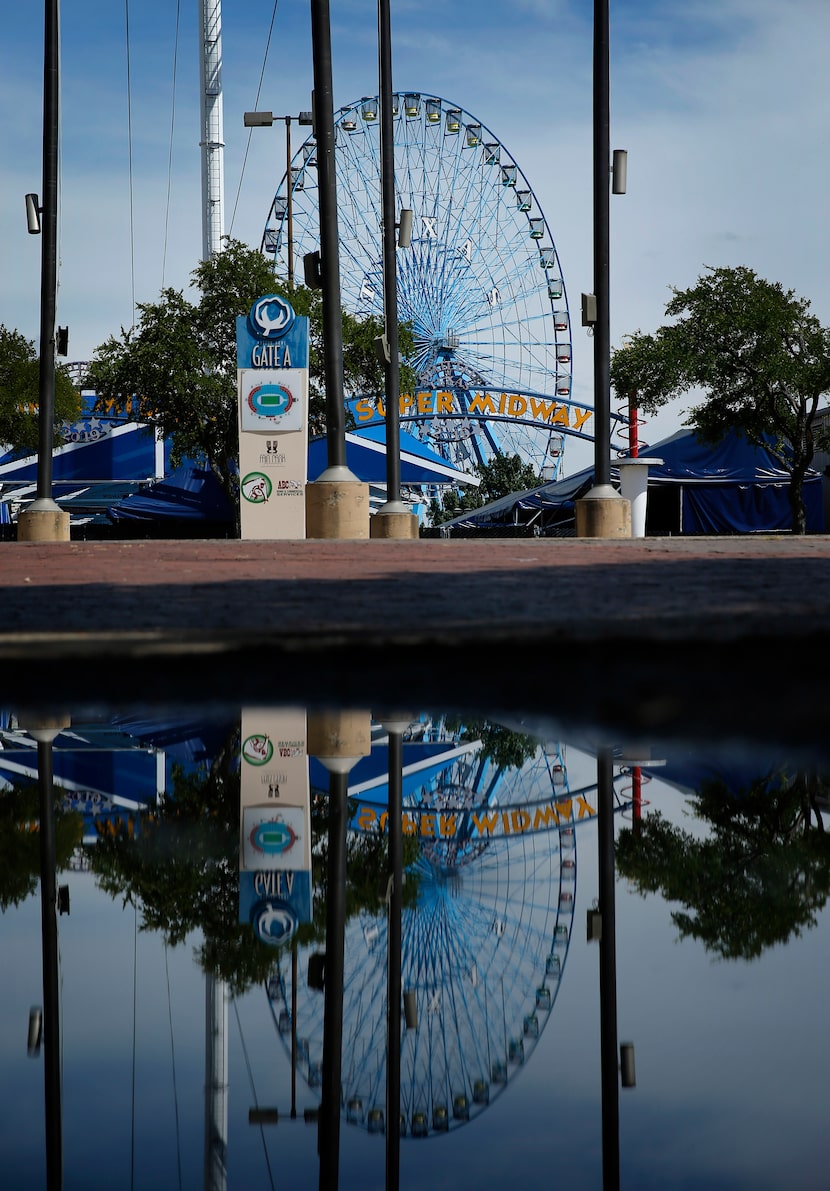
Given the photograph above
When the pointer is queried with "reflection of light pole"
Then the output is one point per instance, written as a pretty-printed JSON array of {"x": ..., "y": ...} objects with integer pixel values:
[
  {"x": 609, "y": 1068},
  {"x": 337, "y": 740},
  {"x": 393, "y": 519},
  {"x": 608, "y": 973},
  {"x": 45, "y": 735},
  {"x": 265, "y": 120},
  {"x": 395, "y": 726},
  {"x": 44, "y": 520}
]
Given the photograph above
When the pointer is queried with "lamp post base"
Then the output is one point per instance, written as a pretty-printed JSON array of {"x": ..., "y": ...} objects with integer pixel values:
[
  {"x": 603, "y": 514},
  {"x": 337, "y": 508},
  {"x": 394, "y": 520},
  {"x": 43, "y": 521}
]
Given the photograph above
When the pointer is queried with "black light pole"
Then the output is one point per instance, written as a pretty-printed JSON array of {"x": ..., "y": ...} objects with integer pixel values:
[
  {"x": 602, "y": 237},
  {"x": 44, "y": 520},
  {"x": 329, "y": 238},
  {"x": 265, "y": 120},
  {"x": 390, "y": 269}
]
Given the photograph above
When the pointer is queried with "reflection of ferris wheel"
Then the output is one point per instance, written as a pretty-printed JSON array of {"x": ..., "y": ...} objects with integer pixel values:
[
  {"x": 483, "y": 950},
  {"x": 481, "y": 282}
]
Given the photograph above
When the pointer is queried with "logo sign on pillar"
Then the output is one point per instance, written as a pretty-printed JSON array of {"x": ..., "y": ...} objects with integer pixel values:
[
  {"x": 272, "y": 376},
  {"x": 275, "y": 824}
]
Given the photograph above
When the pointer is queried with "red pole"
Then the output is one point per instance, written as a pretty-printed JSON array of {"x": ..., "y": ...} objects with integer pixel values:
[
  {"x": 633, "y": 436},
  {"x": 637, "y": 793}
]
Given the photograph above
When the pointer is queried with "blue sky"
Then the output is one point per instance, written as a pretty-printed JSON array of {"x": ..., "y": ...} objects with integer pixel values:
[{"x": 723, "y": 108}]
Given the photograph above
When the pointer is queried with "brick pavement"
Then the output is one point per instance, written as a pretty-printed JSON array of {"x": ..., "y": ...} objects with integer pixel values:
[{"x": 589, "y": 627}]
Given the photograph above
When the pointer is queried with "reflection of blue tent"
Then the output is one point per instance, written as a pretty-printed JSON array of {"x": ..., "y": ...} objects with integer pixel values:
[{"x": 729, "y": 488}]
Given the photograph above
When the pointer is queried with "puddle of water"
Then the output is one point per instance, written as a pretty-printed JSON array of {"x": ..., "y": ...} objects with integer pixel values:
[{"x": 194, "y": 852}]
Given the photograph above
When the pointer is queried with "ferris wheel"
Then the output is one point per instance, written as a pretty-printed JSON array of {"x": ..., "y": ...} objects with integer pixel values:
[
  {"x": 481, "y": 282},
  {"x": 483, "y": 950}
]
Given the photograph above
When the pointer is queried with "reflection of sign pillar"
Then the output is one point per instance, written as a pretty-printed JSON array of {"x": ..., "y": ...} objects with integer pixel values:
[
  {"x": 272, "y": 372},
  {"x": 275, "y": 824}
]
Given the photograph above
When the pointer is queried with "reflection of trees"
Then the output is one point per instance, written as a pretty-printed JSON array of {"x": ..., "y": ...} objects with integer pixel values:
[
  {"x": 182, "y": 868},
  {"x": 501, "y": 745},
  {"x": 20, "y": 841},
  {"x": 760, "y": 875}
]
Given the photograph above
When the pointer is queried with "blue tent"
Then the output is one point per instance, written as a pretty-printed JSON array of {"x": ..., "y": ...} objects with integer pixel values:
[
  {"x": 731, "y": 488},
  {"x": 366, "y": 458},
  {"x": 189, "y": 494}
]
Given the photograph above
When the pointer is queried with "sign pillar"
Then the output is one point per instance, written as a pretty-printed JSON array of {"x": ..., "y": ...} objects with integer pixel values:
[{"x": 272, "y": 384}]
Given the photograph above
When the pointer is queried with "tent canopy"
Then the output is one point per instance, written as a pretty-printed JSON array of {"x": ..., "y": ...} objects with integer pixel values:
[{"x": 732, "y": 487}]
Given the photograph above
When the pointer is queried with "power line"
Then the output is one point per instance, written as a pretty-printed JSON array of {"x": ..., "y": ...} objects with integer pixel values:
[
  {"x": 172, "y": 127},
  {"x": 130, "y": 152},
  {"x": 256, "y": 105}
]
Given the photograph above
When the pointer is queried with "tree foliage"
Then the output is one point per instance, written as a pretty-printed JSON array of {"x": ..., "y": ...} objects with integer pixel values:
[
  {"x": 761, "y": 875},
  {"x": 20, "y": 394},
  {"x": 20, "y": 841},
  {"x": 501, "y": 476},
  {"x": 179, "y": 361},
  {"x": 760, "y": 357}
]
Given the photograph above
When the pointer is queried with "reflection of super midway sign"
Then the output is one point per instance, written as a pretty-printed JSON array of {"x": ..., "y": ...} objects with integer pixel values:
[
  {"x": 272, "y": 379},
  {"x": 482, "y": 403},
  {"x": 482, "y": 822}
]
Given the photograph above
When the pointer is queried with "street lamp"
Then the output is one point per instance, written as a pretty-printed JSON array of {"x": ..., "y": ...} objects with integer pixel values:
[
  {"x": 265, "y": 120},
  {"x": 44, "y": 520}
]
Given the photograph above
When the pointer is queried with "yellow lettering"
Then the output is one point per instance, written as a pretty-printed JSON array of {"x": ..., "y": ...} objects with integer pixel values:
[
  {"x": 517, "y": 406},
  {"x": 427, "y": 824},
  {"x": 520, "y": 820},
  {"x": 447, "y": 825},
  {"x": 485, "y": 823},
  {"x": 366, "y": 818},
  {"x": 409, "y": 402},
  {"x": 364, "y": 409},
  {"x": 381, "y": 408},
  {"x": 565, "y": 808},
  {"x": 541, "y": 409},
  {"x": 425, "y": 403},
  {"x": 560, "y": 417},
  {"x": 445, "y": 403},
  {"x": 581, "y": 416},
  {"x": 502, "y": 400},
  {"x": 410, "y": 827},
  {"x": 585, "y": 808},
  {"x": 482, "y": 403},
  {"x": 545, "y": 817}
]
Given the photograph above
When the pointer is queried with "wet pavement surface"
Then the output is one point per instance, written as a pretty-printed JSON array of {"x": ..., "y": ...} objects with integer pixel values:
[{"x": 660, "y": 635}]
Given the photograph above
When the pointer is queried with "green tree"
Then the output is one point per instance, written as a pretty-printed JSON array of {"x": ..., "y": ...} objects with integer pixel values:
[
  {"x": 762, "y": 873},
  {"x": 20, "y": 394},
  {"x": 179, "y": 361},
  {"x": 761, "y": 358},
  {"x": 501, "y": 476}
]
